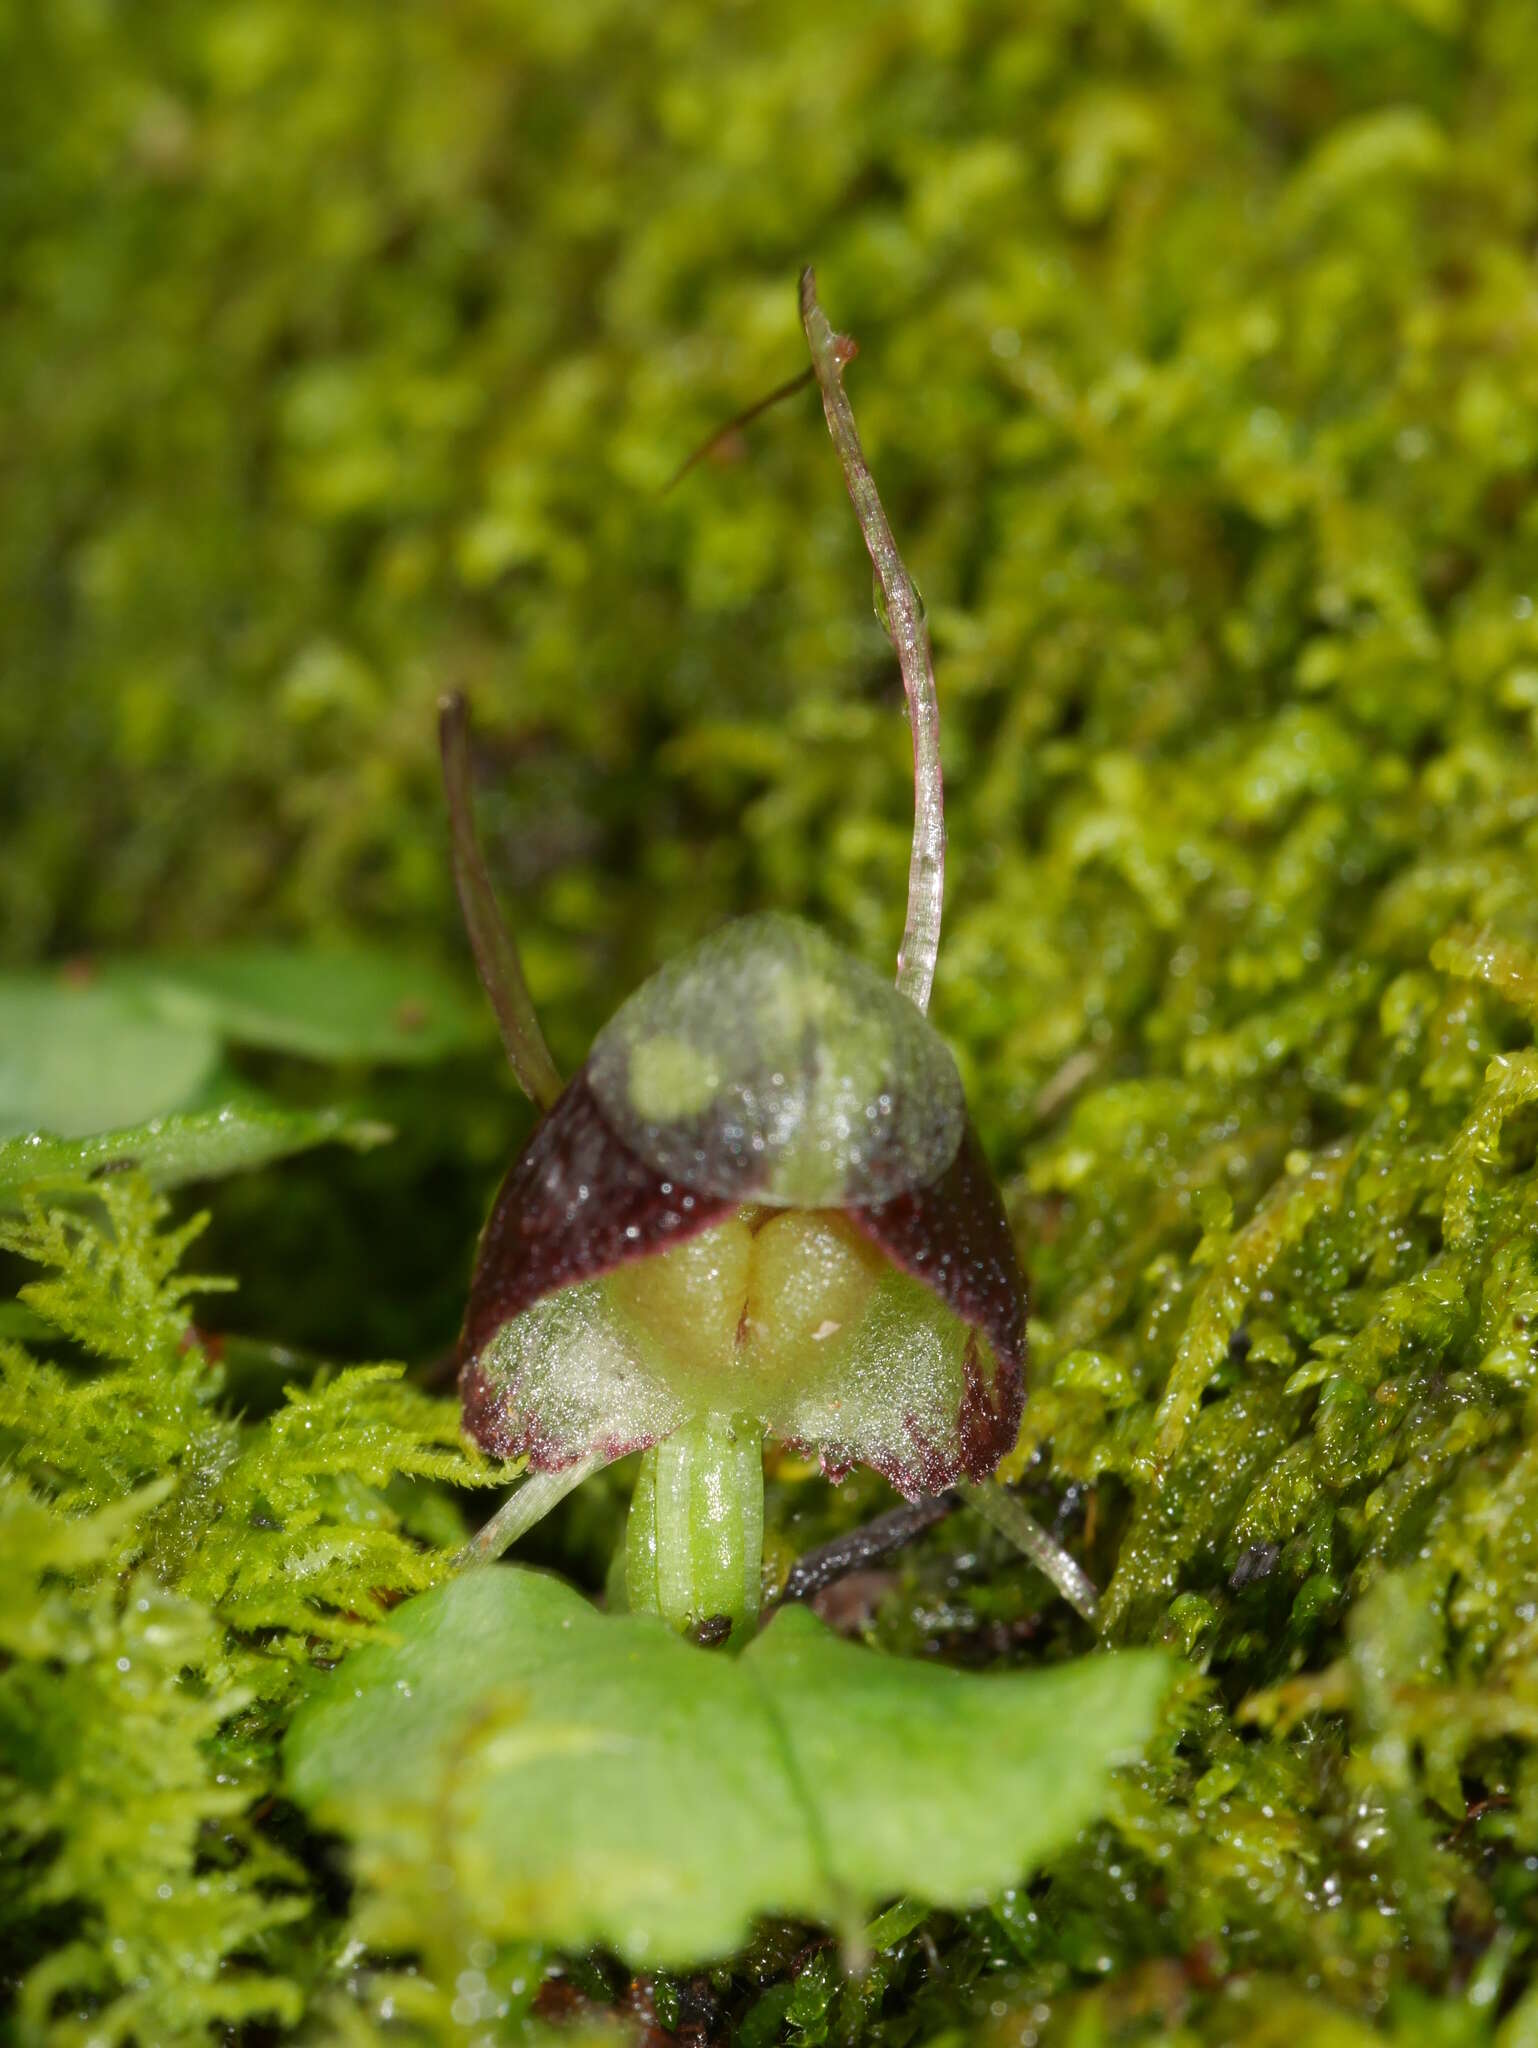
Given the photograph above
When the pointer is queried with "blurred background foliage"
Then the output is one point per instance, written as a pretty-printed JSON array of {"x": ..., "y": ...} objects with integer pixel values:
[{"x": 344, "y": 355}]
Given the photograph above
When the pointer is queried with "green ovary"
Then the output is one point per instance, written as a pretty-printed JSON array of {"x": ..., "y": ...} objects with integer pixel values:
[{"x": 694, "y": 1543}]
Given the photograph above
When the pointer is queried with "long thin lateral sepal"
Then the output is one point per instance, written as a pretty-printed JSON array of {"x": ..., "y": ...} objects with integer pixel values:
[
  {"x": 910, "y": 638},
  {"x": 496, "y": 954},
  {"x": 528, "y": 1504},
  {"x": 1001, "y": 1510}
]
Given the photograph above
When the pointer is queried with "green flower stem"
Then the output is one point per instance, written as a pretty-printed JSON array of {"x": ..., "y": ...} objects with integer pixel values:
[
  {"x": 1001, "y": 1510},
  {"x": 694, "y": 1544}
]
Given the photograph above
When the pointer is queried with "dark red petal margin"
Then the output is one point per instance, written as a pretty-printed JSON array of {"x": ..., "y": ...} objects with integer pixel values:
[
  {"x": 576, "y": 1203},
  {"x": 954, "y": 1236}
]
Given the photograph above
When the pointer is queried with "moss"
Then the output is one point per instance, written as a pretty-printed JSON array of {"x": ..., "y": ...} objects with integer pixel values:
[
  {"x": 170, "y": 1576},
  {"x": 1198, "y": 373}
]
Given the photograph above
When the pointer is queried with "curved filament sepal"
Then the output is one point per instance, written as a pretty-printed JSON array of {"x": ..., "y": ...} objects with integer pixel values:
[
  {"x": 909, "y": 635},
  {"x": 496, "y": 952}
]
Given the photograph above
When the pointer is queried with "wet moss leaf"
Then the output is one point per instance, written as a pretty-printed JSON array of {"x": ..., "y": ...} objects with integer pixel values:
[
  {"x": 80, "y": 1057},
  {"x": 199, "y": 1144},
  {"x": 583, "y": 1778},
  {"x": 321, "y": 1002}
]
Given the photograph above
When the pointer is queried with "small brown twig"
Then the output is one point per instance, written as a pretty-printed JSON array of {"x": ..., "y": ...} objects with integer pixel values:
[
  {"x": 738, "y": 420},
  {"x": 858, "y": 1549}
]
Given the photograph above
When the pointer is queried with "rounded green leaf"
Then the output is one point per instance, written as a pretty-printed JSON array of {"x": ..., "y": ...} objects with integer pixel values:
[
  {"x": 322, "y": 1002},
  {"x": 581, "y": 1778},
  {"x": 80, "y": 1057}
]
